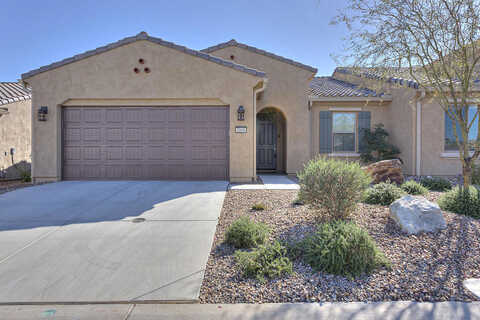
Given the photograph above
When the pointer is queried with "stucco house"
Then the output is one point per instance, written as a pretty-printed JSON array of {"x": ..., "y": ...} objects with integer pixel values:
[
  {"x": 145, "y": 108},
  {"x": 15, "y": 130}
]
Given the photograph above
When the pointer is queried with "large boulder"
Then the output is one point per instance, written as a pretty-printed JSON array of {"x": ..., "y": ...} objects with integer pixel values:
[
  {"x": 417, "y": 214},
  {"x": 382, "y": 171}
]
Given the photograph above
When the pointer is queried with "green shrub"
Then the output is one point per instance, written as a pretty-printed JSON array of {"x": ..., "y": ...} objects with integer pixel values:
[
  {"x": 377, "y": 147},
  {"x": 266, "y": 261},
  {"x": 462, "y": 201},
  {"x": 383, "y": 193},
  {"x": 342, "y": 248},
  {"x": 414, "y": 188},
  {"x": 333, "y": 187},
  {"x": 258, "y": 207},
  {"x": 26, "y": 177},
  {"x": 436, "y": 184},
  {"x": 246, "y": 233},
  {"x": 297, "y": 202}
]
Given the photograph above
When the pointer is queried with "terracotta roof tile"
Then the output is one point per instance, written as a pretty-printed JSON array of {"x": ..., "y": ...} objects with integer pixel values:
[
  {"x": 330, "y": 87},
  {"x": 12, "y": 92}
]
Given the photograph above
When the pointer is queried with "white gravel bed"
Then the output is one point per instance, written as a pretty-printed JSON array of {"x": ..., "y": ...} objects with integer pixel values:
[{"x": 426, "y": 267}]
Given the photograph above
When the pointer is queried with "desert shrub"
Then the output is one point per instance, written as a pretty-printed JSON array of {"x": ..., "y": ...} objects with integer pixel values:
[
  {"x": 333, "y": 187},
  {"x": 297, "y": 202},
  {"x": 258, "y": 207},
  {"x": 436, "y": 184},
  {"x": 377, "y": 147},
  {"x": 342, "y": 248},
  {"x": 26, "y": 177},
  {"x": 462, "y": 201},
  {"x": 266, "y": 261},
  {"x": 383, "y": 193},
  {"x": 413, "y": 188},
  {"x": 246, "y": 233}
]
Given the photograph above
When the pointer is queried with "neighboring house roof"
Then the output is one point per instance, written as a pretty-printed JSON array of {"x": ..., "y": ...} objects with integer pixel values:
[
  {"x": 331, "y": 87},
  {"x": 12, "y": 92},
  {"x": 138, "y": 37},
  {"x": 234, "y": 43},
  {"x": 400, "y": 76}
]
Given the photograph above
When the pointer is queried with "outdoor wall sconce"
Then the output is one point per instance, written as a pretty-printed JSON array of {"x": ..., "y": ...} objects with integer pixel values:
[
  {"x": 241, "y": 113},
  {"x": 42, "y": 113}
]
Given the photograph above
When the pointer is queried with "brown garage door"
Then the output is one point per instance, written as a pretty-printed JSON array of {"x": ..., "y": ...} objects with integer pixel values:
[{"x": 101, "y": 143}]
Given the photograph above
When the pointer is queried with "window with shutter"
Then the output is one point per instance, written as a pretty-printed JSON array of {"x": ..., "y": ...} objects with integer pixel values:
[{"x": 341, "y": 132}]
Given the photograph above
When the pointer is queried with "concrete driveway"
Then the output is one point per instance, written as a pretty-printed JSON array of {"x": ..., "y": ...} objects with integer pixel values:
[{"x": 81, "y": 242}]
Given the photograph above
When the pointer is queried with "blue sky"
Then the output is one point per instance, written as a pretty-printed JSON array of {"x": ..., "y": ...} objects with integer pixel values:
[{"x": 36, "y": 33}]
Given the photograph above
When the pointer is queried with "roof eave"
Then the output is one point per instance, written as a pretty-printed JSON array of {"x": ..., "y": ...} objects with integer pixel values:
[{"x": 384, "y": 98}]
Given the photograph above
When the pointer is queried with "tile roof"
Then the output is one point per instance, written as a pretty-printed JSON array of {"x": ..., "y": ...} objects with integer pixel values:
[
  {"x": 234, "y": 43},
  {"x": 138, "y": 37},
  {"x": 331, "y": 87},
  {"x": 12, "y": 92},
  {"x": 400, "y": 76}
]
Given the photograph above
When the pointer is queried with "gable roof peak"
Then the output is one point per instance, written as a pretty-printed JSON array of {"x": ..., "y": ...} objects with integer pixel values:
[
  {"x": 234, "y": 43},
  {"x": 144, "y": 36}
]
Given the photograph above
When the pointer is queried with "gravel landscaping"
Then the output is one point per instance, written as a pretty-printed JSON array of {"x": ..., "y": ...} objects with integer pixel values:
[
  {"x": 10, "y": 185},
  {"x": 426, "y": 267}
]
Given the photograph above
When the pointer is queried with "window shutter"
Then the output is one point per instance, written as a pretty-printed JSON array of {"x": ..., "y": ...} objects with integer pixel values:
[
  {"x": 363, "y": 124},
  {"x": 325, "y": 132}
]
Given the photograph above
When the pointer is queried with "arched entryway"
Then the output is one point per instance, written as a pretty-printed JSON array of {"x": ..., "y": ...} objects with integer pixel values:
[{"x": 271, "y": 141}]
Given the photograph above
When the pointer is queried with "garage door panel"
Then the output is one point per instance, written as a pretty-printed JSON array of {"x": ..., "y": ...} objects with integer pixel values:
[
  {"x": 93, "y": 115},
  {"x": 157, "y": 115},
  {"x": 145, "y": 143},
  {"x": 157, "y": 153},
  {"x": 92, "y": 171},
  {"x": 218, "y": 153},
  {"x": 114, "y": 153},
  {"x": 178, "y": 172},
  {"x": 133, "y": 153},
  {"x": 92, "y": 153},
  {"x": 113, "y": 115},
  {"x": 156, "y": 134},
  {"x": 133, "y": 134},
  {"x": 114, "y": 134},
  {"x": 218, "y": 134}
]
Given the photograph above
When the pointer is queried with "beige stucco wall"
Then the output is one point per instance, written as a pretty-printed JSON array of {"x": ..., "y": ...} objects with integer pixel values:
[
  {"x": 287, "y": 92},
  {"x": 402, "y": 116},
  {"x": 174, "y": 76},
  {"x": 433, "y": 135},
  {"x": 15, "y": 132}
]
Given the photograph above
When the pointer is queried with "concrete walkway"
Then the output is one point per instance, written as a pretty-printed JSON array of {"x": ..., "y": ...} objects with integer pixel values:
[
  {"x": 299, "y": 311},
  {"x": 270, "y": 182}
]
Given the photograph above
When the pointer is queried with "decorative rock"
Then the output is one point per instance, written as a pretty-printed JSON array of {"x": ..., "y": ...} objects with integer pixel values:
[
  {"x": 473, "y": 285},
  {"x": 417, "y": 214},
  {"x": 382, "y": 171}
]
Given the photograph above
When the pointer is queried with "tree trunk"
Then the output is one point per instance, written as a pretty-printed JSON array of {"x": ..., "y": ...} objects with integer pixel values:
[{"x": 467, "y": 172}]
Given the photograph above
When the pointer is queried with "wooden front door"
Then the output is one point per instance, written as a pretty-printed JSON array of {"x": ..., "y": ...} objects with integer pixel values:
[{"x": 266, "y": 144}]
